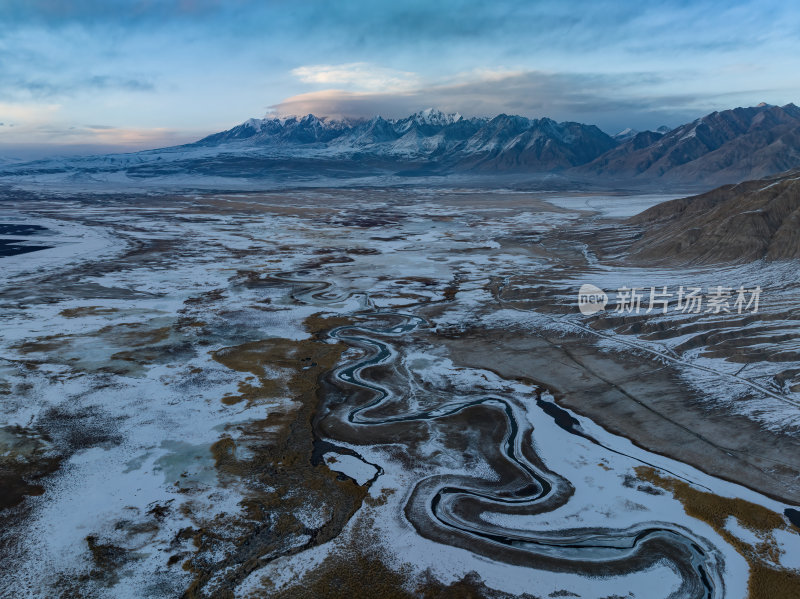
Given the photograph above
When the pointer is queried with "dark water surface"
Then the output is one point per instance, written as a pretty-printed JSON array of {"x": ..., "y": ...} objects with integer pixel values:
[{"x": 14, "y": 247}]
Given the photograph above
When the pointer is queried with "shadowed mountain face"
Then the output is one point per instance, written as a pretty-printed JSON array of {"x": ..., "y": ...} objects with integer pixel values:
[
  {"x": 722, "y": 147},
  {"x": 733, "y": 223}
]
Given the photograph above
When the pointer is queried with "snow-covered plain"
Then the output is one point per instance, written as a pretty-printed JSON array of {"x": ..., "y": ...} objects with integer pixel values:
[{"x": 107, "y": 359}]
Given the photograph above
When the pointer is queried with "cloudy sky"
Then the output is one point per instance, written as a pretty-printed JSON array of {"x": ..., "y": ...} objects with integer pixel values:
[{"x": 92, "y": 75}]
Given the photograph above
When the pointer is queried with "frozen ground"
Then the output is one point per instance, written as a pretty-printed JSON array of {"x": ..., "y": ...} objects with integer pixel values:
[{"x": 176, "y": 407}]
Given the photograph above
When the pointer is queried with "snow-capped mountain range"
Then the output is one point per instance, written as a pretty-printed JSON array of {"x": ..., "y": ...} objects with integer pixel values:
[
  {"x": 726, "y": 146},
  {"x": 450, "y": 140}
]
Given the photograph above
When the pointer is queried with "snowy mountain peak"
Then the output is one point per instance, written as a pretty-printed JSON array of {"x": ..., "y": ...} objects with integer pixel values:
[
  {"x": 626, "y": 134},
  {"x": 435, "y": 117},
  {"x": 256, "y": 124},
  {"x": 430, "y": 117}
]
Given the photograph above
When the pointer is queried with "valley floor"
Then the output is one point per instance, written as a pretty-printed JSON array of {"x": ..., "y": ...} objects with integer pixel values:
[{"x": 385, "y": 392}]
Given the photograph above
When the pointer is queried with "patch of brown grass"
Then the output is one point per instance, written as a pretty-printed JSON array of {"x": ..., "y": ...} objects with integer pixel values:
[
  {"x": 768, "y": 579},
  {"x": 25, "y": 458},
  {"x": 357, "y": 569},
  {"x": 253, "y": 357},
  {"x": 42, "y": 344},
  {"x": 87, "y": 311},
  {"x": 135, "y": 334},
  {"x": 207, "y": 297},
  {"x": 271, "y": 459}
]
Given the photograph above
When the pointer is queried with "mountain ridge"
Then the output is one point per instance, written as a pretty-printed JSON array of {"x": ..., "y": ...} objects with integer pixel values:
[
  {"x": 721, "y": 147},
  {"x": 503, "y": 142}
]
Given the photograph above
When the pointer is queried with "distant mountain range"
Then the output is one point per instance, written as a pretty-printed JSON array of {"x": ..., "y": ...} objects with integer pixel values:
[
  {"x": 432, "y": 139},
  {"x": 627, "y": 134},
  {"x": 726, "y": 146}
]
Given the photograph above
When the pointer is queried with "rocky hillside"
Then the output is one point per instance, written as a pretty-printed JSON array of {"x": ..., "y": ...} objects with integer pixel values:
[{"x": 733, "y": 223}]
